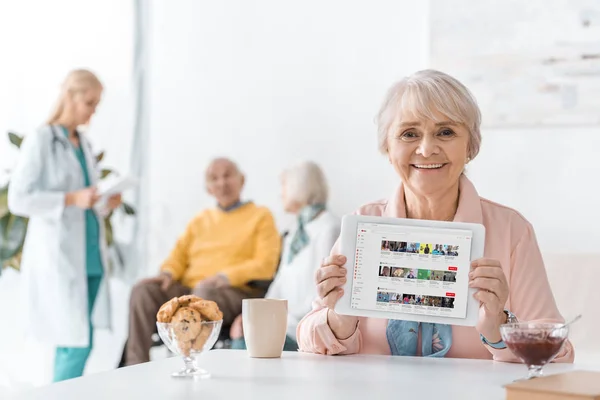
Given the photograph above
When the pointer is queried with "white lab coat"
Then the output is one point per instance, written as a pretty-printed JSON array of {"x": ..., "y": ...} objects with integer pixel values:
[{"x": 53, "y": 264}]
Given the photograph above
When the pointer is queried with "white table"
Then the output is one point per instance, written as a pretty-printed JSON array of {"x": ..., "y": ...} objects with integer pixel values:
[{"x": 300, "y": 376}]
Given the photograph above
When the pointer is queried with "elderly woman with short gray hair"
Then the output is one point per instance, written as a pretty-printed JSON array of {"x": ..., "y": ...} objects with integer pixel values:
[
  {"x": 304, "y": 194},
  {"x": 429, "y": 129}
]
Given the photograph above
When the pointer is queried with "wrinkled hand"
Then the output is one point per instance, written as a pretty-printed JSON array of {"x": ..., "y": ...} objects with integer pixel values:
[
  {"x": 165, "y": 280},
  {"x": 84, "y": 198},
  {"x": 487, "y": 276},
  {"x": 330, "y": 278},
  {"x": 114, "y": 201},
  {"x": 237, "y": 328},
  {"x": 217, "y": 281}
]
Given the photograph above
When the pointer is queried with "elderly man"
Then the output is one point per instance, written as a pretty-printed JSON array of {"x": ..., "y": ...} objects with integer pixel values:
[{"x": 220, "y": 252}]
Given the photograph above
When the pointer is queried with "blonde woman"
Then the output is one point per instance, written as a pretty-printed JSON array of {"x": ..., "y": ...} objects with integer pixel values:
[
  {"x": 304, "y": 194},
  {"x": 429, "y": 129},
  {"x": 64, "y": 256}
]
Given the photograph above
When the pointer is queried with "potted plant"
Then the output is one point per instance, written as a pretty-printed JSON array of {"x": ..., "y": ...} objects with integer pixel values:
[{"x": 13, "y": 228}]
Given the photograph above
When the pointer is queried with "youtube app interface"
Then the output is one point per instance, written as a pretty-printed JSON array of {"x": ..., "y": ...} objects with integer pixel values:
[{"x": 412, "y": 270}]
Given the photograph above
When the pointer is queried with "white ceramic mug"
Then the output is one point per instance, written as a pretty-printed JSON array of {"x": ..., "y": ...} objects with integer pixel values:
[{"x": 265, "y": 325}]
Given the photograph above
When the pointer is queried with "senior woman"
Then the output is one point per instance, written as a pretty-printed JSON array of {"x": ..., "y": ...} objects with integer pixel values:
[
  {"x": 304, "y": 194},
  {"x": 428, "y": 128}
]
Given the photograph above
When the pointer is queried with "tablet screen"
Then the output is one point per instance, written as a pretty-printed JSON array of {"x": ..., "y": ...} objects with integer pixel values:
[{"x": 410, "y": 269}]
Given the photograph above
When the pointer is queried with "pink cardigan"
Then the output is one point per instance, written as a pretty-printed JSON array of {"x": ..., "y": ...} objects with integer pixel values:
[{"x": 509, "y": 239}]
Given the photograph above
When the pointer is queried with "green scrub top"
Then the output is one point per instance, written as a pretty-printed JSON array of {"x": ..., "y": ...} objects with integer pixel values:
[{"x": 93, "y": 257}]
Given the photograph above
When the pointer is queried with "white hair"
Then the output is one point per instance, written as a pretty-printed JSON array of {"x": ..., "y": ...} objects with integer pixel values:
[
  {"x": 305, "y": 183},
  {"x": 423, "y": 93}
]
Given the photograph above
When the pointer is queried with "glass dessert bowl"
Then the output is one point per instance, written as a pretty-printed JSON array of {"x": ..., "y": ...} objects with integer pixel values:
[
  {"x": 536, "y": 344},
  {"x": 189, "y": 341}
]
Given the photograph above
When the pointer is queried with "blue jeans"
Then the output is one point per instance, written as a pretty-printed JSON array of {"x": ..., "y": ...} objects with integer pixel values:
[
  {"x": 69, "y": 362},
  {"x": 289, "y": 345}
]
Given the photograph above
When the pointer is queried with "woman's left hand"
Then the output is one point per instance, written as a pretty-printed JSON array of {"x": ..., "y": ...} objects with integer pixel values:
[
  {"x": 237, "y": 328},
  {"x": 487, "y": 276},
  {"x": 114, "y": 201}
]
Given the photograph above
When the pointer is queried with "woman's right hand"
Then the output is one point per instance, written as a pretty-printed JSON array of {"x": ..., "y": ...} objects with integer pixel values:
[
  {"x": 84, "y": 198},
  {"x": 330, "y": 279}
]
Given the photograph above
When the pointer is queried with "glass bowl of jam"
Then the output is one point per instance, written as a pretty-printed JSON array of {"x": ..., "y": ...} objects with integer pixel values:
[{"x": 535, "y": 343}]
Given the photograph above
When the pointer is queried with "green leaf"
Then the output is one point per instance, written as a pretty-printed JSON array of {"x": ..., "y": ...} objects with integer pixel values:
[
  {"x": 3, "y": 201},
  {"x": 12, "y": 235},
  {"x": 15, "y": 139},
  {"x": 129, "y": 210},
  {"x": 106, "y": 172},
  {"x": 14, "y": 262},
  {"x": 109, "y": 231},
  {"x": 99, "y": 157}
]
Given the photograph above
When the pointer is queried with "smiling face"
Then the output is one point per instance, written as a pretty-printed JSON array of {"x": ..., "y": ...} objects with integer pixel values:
[
  {"x": 429, "y": 155},
  {"x": 428, "y": 127}
]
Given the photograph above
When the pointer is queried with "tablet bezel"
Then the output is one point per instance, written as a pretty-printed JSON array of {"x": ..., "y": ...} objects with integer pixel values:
[{"x": 348, "y": 248}]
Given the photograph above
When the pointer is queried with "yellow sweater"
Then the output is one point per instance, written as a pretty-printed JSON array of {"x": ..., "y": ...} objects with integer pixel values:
[{"x": 243, "y": 244}]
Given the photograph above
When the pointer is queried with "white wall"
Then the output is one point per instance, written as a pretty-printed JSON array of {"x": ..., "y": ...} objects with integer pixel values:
[
  {"x": 549, "y": 175},
  {"x": 40, "y": 42},
  {"x": 269, "y": 83}
]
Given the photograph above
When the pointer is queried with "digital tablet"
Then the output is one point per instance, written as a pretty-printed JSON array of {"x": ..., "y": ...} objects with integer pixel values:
[{"x": 410, "y": 269}]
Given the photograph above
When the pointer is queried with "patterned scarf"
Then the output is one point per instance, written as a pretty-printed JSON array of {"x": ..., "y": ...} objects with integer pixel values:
[
  {"x": 402, "y": 337},
  {"x": 301, "y": 239}
]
